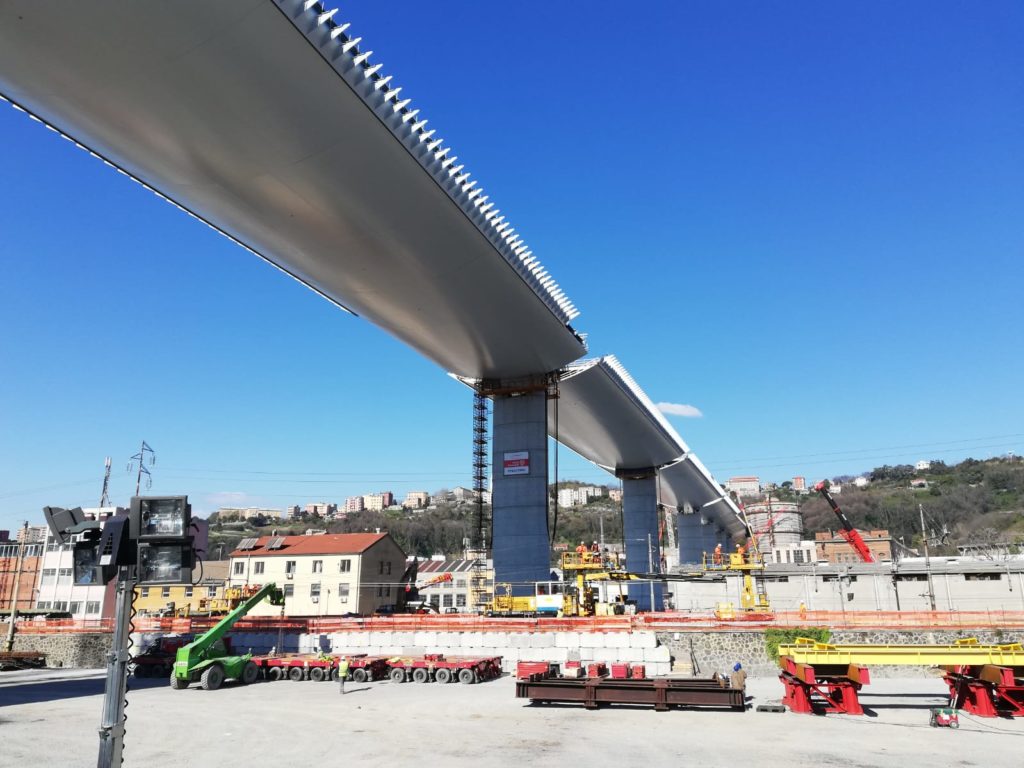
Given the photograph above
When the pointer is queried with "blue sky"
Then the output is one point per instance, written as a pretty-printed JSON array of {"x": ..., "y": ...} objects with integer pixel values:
[{"x": 803, "y": 220}]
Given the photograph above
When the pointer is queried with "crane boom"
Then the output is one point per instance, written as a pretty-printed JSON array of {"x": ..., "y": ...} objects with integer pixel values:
[
  {"x": 848, "y": 532},
  {"x": 218, "y": 630}
]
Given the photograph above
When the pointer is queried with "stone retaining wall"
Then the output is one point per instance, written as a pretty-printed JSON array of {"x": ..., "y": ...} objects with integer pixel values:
[
  {"x": 661, "y": 652},
  {"x": 83, "y": 650}
]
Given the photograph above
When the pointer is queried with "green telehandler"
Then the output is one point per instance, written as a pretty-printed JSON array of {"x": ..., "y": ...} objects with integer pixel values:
[{"x": 208, "y": 659}]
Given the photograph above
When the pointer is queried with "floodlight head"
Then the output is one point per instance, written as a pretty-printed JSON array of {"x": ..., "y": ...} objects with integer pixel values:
[{"x": 64, "y": 522}]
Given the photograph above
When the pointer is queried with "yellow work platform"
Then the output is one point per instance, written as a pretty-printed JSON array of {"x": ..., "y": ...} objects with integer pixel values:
[{"x": 963, "y": 652}]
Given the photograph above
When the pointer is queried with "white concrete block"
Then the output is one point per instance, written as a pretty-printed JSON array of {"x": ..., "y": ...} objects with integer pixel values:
[
  {"x": 511, "y": 654},
  {"x": 567, "y": 639},
  {"x": 607, "y": 655},
  {"x": 659, "y": 654},
  {"x": 401, "y": 638},
  {"x": 496, "y": 639},
  {"x": 389, "y": 650},
  {"x": 658, "y": 668},
  {"x": 472, "y": 639},
  {"x": 643, "y": 640},
  {"x": 631, "y": 655},
  {"x": 617, "y": 640},
  {"x": 542, "y": 640},
  {"x": 592, "y": 640},
  {"x": 360, "y": 639},
  {"x": 424, "y": 638},
  {"x": 519, "y": 639}
]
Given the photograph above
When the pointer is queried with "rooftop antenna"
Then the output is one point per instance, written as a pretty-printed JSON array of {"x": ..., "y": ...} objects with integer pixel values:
[
  {"x": 105, "y": 496},
  {"x": 140, "y": 457}
]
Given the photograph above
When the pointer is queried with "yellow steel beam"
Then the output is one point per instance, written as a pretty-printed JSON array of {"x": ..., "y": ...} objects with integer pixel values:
[{"x": 806, "y": 651}]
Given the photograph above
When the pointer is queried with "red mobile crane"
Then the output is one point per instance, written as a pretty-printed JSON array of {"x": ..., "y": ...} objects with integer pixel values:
[{"x": 848, "y": 532}]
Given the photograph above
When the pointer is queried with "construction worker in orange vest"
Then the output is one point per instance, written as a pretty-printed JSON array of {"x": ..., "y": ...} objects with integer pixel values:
[{"x": 717, "y": 557}]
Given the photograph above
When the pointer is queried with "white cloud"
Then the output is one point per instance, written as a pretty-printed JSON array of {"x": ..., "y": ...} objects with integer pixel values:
[{"x": 679, "y": 409}]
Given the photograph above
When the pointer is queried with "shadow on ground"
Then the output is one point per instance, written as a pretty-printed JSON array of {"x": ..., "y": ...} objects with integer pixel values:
[{"x": 53, "y": 690}]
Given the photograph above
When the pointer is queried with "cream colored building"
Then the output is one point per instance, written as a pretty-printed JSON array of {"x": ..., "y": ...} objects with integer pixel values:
[
  {"x": 416, "y": 499},
  {"x": 325, "y": 575}
]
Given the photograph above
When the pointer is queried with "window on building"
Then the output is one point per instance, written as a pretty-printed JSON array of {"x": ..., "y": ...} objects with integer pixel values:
[
  {"x": 314, "y": 589},
  {"x": 798, "y": 556},
  {"x": 460, "y": 583},
  {"x": 63, "y": 573},
  {"x": 188, "y": 591},
  {"x": 145, "y": 591},
  {"x": 51, "y": 544},
  {"x": 460, "y": 600},
  {"x": 289, "y": 590},
  {"x": 381, "y": 568},
  {"x": 92, "y": 607},
  {"x": 446, "y": 601},
  {"x": 238, "y": 568},
  {"x": 257, "y": 567},
  {"x": 387, "y": 591},
  {"x": 211, "y": 591},
  {"x": 75, "y": 607},
  {"x": 289, "y": 566},
  {"x": 343, "y": 592},
  {"x": 344, "y": 565},
  {"x": 43, "y": 605},
  {"x": 165, "y": 592},
  {"x": 388, "y": 571},
  {"x": 60, "y": 605},
  {"x": 435, "y": 600},
  {"x": 47, "y": 576},
  {"x": 318, "y": 566}
]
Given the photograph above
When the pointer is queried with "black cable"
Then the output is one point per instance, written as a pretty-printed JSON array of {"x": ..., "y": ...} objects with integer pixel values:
[{"x": 129, "y": 672}]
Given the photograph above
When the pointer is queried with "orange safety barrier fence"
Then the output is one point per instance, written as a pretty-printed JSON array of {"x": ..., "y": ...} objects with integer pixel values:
[{"x": 669, "y": 621}]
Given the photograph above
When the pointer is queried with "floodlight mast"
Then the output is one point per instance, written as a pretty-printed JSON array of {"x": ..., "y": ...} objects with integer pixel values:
[{"x": 116, "y": 686}]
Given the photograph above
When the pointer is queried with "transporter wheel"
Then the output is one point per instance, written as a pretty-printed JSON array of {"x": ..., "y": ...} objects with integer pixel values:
[
  {"x": 296, "y": 674},
  {"x": 466, "y": 676},
  {"x": 358, "y": 675},
  {"x": 177, "y": 683},
  {"x": 421, "y": 675},
  {"x": 250, "y": 673},
  {"x": 275, "y": 673},
  {"x": 316, "y": 674},
  {"x": 443, "y": 675},
  {"x": 212, "y": 677},
  {"x": 397, "y": 675}
]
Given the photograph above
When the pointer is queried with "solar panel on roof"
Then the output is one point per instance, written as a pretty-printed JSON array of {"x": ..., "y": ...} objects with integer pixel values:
[
  {"x": 249, "y": 543},
  {"x": 276, "y": 543}
]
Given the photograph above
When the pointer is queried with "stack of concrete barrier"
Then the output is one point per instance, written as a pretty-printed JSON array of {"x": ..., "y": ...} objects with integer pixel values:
[
  {"x": 586, "y": 647},
  {"x": 607, "y": 647}
]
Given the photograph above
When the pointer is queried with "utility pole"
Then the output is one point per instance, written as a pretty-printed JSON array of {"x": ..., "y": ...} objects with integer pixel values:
[
  {"x": 601, "y": 520},
  {"x": 140, "y": 457},
  {"x": 927, "y": 560},
  {"x": 12, "y": 617}
]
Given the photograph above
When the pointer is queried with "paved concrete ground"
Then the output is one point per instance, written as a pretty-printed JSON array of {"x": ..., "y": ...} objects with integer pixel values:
[{"x": 49, "y": 718}]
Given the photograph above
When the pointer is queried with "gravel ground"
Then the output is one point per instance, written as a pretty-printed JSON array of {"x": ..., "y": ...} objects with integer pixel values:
[{"x": 49, "y": 718}]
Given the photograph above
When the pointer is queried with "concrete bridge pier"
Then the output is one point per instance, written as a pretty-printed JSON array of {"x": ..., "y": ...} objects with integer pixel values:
[
  {"x": 640, "y": 532},
  {"x": 519, "y": 489},
  {"x": 690, "y": 526}
]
